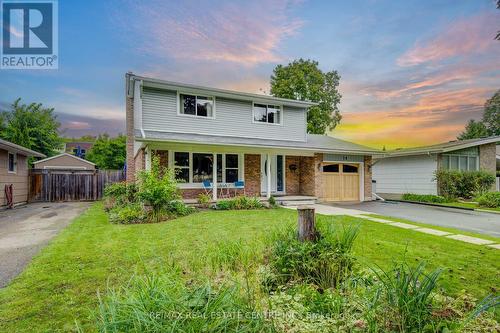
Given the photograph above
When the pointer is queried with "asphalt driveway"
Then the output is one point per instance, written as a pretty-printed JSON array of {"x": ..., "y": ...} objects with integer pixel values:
[
  {"x": 25, "y": 230},
  {"x": 479, "y": 222}
]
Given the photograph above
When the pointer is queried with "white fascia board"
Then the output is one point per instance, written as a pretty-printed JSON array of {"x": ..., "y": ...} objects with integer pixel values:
[{"x": 64, "y": 154}]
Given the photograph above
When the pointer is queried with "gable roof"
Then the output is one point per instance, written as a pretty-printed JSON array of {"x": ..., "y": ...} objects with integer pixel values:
[
  {"x": 7, "y": 145},
  {"x": 217, "y": 92},
  {"x": 443, "y": 147},
  {"x": 64, "y": 154},
  {"x": 319, "y": 143}
]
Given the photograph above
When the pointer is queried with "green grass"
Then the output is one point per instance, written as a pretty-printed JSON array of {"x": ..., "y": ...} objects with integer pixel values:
[{"x": 61, "y": 284}]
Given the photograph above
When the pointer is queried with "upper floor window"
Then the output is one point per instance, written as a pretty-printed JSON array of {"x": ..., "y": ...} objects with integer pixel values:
[
  {"x": 12, "y": 162},
  {"x": 201, "y": 106},
  {"x": 263, "y": 113}
]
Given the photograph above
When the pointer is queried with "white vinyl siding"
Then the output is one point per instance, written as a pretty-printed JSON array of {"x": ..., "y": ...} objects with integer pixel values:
[
  {"x": 232, "y": 118},
  {"x": 408, "y": 174}
]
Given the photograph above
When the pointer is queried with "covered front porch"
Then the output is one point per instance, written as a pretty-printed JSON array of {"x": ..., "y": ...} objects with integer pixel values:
[{"x": 251, "y": 171}]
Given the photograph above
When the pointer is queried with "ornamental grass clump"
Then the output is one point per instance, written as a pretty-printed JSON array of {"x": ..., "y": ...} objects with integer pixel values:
[
  {"x": 325, "y": 262},
  {"x": 165, "y": 303}
]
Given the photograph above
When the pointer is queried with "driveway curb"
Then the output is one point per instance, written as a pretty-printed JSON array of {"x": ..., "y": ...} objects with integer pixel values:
[{"x": 431, "y": 204}]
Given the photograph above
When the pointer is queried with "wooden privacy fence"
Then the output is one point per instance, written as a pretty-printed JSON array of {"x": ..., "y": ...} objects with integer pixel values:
[{"x": 70, "y": 185}]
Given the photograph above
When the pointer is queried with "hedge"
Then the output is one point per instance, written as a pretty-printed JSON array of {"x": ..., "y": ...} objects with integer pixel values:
[{"x": 463, "y": 184}]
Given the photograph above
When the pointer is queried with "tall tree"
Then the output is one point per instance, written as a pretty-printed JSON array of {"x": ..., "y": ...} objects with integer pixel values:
[
  {"x": 491, "y": 116},
  {"x": 32, "y": 126},
  {"x": 497, "y": 37},
  {"x": 473, "y": 130},
  {"x": 108, "y": 153},
  {"x": 303, "y": 80}
]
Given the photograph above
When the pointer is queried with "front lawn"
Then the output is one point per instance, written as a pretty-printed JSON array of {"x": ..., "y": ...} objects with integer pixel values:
[{"x": 60, "y": 286}]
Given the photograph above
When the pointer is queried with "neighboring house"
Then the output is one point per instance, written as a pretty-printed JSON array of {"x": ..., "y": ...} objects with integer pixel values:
[
  {"x": 14, "y": 171},
  {"x": 207, "y": 133},
  {"x": 64, "y": 161},
  {"x": 78, "y": 148},
  {"x": 498, "y": 158},
  {"x": 413, "y": 170}
]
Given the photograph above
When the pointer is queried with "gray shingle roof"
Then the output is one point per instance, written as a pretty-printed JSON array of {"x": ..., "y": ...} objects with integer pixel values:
[
  {"x": 7, "y": 145},
  {"x": 320, "y": 143},
  {"x": 444, "y": 147}
]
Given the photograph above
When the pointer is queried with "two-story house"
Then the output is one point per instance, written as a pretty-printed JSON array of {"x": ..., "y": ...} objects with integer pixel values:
[{"x": 260, "y": 141}]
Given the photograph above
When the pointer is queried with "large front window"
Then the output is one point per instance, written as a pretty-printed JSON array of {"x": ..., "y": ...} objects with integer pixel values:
[
  {"x": 181, "y": 166},
  {"x": 198, "y": 167},
  {"x": 201, "y": 106},
  {"x": 464, "y": 160},
  {"x": 202, "y": 167},
  {"x": 264, "y": 113}
]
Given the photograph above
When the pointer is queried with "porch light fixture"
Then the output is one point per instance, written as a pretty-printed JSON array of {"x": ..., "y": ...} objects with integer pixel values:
[{"x": 292, "y": 167}]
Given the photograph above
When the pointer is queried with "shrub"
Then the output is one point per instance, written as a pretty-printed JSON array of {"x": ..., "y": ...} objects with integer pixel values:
[
  {"x": 424, "y": 198},
  {"x": 463, "y": 184},
  {"x": 163, "y": 303},
  {"x": 490, "y": 200},
  {"x": 241, "y": 202},
  {"x": 272, "y": 202},
  {"x": 178, "y": 208},
  {"x": 122, "y": 192},
  {"x": 204, "y": 199},
  {"x": 128, "y": 214},
  {"x": 157, "y": 187},
  {"x": 325, "y": 263}
]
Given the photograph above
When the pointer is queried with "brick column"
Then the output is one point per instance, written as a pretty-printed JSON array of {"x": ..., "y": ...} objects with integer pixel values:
[
  {"x": 129, "y": 116},
  {"x": 292, "y": 177},
  {"x": 252, "y": 174},
  {"x": 368, "y": 178},
  {"x": 487, "y": 159}
]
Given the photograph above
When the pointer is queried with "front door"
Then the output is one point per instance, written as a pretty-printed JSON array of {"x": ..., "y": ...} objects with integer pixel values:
[{"x": 277, "y": 173}]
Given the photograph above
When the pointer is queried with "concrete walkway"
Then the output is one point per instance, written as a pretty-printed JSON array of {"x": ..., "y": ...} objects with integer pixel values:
[
  {"x": 25, "y": 230},
  {"x": 467, "y": 220},
  {"x": 335, "y": 210}
]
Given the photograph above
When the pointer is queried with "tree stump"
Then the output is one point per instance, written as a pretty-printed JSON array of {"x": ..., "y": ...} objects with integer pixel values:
[{"x": 306, "y": 224}]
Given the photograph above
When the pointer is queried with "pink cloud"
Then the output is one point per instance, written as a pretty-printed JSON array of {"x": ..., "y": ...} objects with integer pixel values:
[
  {"x": 465, "y": 36},
  {"x": 248, "y": 33},
  {"x": 77, "y": 125}
]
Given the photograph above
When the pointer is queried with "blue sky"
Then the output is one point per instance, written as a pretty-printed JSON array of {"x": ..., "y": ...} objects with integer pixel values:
[{"x": 413, "y": 72}]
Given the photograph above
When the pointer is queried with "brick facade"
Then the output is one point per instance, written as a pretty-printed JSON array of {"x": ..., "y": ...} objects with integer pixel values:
[
  {"x": 139, "y": 163},
  {"x": 487, "y": 159},
  {"x": 310, "y": 176},
  {"x": 129, "y": 117},
  {"x": 368, "y": 178},
  {"x": 292, "y": 177},
  {"x": 163, "y": 155},
  {"x": 252, "y": 174}
]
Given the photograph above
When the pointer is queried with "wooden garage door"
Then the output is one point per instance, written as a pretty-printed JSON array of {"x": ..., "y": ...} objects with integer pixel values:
[{"x": 341, "y": 182}]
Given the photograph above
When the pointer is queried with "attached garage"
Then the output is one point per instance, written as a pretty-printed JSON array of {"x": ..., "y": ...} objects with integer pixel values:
[{"x": 341, "y": 181}]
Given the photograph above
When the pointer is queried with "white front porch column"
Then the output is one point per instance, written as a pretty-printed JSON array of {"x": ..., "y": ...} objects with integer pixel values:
[
  {"x": 268, "y": 178},
  {"x": 214, "y": 178}
]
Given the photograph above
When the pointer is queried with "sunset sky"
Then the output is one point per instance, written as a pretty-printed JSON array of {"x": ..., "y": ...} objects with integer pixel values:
[{"x": 412, "y": 72}]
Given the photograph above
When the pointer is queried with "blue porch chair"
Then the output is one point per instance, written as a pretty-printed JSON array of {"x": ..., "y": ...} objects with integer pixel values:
[
  {"x": 207, "y": 186},
  {"x": 238, "y": 185}
]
